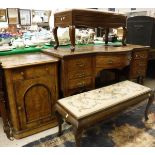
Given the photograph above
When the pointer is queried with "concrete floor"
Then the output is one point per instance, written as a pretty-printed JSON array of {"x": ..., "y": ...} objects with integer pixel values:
[{"x": 5, "y": 142}]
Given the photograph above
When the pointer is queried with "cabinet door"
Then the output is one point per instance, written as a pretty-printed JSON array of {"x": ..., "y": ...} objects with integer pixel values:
[{"x": 35, "y": 100}]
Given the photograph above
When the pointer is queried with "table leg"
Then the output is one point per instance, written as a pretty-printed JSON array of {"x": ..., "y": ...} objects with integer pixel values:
[
  {"x": 140, "y": 80},
  {"x": 77, "y": 134},
  {"x": 55, "y": 37},
  {"x": 60, "y": 121},
  {"x": 150, "y": 101},
  {"x": 124, "y": 36},
  {"x": 72, "y": 37},
  {"x": 106, "y": 35}
]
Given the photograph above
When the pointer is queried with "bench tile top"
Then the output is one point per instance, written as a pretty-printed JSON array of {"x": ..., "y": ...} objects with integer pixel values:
[{"x": 87, "y": 103}]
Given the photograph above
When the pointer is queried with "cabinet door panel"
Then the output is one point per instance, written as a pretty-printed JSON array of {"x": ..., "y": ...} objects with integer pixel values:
[{"x": 35, "y": 100}]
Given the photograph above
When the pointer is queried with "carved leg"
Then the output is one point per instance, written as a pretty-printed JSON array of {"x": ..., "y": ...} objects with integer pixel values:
[
  {"x": 150, "y": 101},
  {"x": 55, "y": 37},
  {"x": 106, "y": 35},
  {"x": 124, "y": 36},
  {"x": 77, "y": 134},
  {"x": 60, "y": 121},
  {"x": 72, "y": 37}
]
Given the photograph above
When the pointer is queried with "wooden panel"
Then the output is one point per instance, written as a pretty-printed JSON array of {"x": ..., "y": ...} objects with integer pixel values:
[
  {"x": 35, "y": 100},
  {"x": 33, "y": 71}
]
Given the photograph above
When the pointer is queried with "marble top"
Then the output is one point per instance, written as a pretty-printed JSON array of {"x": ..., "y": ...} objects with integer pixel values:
[{"x": 93, "y": 101}]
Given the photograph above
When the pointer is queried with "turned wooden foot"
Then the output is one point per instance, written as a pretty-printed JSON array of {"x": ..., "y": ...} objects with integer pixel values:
[{"x": 150, "y": 101}]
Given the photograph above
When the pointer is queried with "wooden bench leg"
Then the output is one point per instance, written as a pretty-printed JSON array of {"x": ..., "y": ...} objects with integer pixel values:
[
  {"x": 150, "y": 101},
  {"x": 77, "y": 134},
  {"x": 60, "y": 121}
]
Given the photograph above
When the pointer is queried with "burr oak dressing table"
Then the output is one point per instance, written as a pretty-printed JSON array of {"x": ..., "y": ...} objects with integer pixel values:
[
  {"x": 76, "y": 18},
  {"x": 79, "y": 69}
]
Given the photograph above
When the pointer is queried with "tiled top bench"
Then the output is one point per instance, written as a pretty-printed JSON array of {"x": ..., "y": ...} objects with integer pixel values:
[{"x": 88, "y": 108}]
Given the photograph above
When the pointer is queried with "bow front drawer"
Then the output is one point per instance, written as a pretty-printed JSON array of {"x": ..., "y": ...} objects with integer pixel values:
[{"x": 110, "y": 61}]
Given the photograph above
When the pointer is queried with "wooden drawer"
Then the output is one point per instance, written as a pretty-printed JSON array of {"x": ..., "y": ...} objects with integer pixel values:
[
  {"x": 140, "y": 55},
  {"x": 79, "y": 63},
  {"x": 62, "y": 19},
  {"x": 80, "y": 73},
  {"x": 80, "y": 83},
  {"x": 33, "y": 71},
  {"x": 110, "y": 61}
]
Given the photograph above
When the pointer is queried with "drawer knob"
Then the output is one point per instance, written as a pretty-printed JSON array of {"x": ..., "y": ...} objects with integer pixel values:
[
  {"x": 22, "y": 73},
  {"x": 80, "y": 65},
  {"x": 81, "y": 84},
  {"x": 81, "y": 75},
  {"x": 110, "y": 62},
  {"x": 19, "y": 108}
]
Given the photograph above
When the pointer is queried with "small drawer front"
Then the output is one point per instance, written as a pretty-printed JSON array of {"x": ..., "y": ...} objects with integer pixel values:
[
  {"x": 79, "y": 63},
  {"x": 61, "y": 19},
  {"x": 80, "y": 83},
  {"x": 80, "y": 73},
  {"x": 33, "y": 71},
  {"x": 140, "y": 55},
  {"x": 108, "y": 62}
]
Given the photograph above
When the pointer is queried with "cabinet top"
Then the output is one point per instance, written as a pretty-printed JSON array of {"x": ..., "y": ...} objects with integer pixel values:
[
  {"x": 20, "y": 60},
  {"x": 98, "y": 49}
]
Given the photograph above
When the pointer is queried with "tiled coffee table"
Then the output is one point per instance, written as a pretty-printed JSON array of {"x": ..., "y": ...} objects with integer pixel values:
[{"x": 88, "y": 108}]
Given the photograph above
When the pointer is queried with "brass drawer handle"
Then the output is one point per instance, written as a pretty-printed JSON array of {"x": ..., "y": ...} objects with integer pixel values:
[
  {"x": 80, "y": 65},
  {"x": 81, "y": 75},
  {"x": 110, "y": 62},
  {"x": 81, "y": 84},
  {"x": 19, "y": 108},
  {"x": 22, "y": 73}
]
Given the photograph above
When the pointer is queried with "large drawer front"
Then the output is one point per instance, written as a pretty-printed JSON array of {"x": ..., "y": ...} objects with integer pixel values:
[
  {"x": 80, "y": 83},
  {"x": 33, "y": 71},
  {"x": 79, "y": 63},
  {"x": 140, "y": 55},
  {"x": 80, "y": 73},
  {"x": 109, "y": 61}
]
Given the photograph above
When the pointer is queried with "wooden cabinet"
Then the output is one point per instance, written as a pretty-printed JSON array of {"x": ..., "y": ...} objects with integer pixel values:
[{"x": 32, "y": 93}]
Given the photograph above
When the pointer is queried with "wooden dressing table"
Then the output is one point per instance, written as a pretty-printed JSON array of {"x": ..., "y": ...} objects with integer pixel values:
[
  {"x": 78, "y": 69},
  {"x": 76, "y": 18}
]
